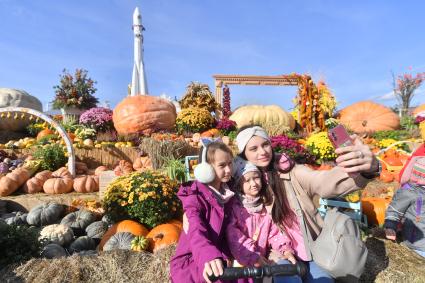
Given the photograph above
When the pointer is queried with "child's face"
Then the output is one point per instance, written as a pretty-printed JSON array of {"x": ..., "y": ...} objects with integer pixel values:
[
  {"x": 251, "y": 184},
  {"x": 222, "y": 165}
]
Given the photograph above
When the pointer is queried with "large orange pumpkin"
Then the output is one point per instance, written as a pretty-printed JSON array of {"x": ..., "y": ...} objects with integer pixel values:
[
  {"x": 374, "y": 209},
  {"x": 177, "y": 223},
  {"x": 130, "y": 226},
  {"x": 143, "y": 114},
  {"x": 162, "y": 236},
  {"x": 369, "y": 117}
]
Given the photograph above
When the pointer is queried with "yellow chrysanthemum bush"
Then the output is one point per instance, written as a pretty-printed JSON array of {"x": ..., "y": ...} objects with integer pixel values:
[
  {"x": 320, "y": 145},
  {"x": 387, "y": 142},
  {"x": 194, "y": 120},
  {"x": 148, "y": 197}
]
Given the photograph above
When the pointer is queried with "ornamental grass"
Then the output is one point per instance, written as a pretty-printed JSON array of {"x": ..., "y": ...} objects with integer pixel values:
[{"x": 159, "y": 151}]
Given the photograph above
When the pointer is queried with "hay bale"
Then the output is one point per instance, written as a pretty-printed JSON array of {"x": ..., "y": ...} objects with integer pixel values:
[
  {"x": 113, "y": 266},
  {"x": 388, "y": 261},
  {"x": 161, "y": 151}
]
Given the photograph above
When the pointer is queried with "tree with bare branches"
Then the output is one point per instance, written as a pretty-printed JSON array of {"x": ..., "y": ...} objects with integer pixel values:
[{"x": 404, "y": 87}]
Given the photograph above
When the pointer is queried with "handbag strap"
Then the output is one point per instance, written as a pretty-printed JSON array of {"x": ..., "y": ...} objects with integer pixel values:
[{"x": 305, "y": 231}]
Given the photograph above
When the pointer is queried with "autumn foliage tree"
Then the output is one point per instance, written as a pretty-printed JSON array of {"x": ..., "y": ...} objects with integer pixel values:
[{"x": 404, "y": 89}]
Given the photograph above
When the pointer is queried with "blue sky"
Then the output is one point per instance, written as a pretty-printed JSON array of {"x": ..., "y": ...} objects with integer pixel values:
[{"x": 353, "y": 45}]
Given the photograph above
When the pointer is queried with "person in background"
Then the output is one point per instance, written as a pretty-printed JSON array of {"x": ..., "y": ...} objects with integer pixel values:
[{"x": 408, "y": 203}]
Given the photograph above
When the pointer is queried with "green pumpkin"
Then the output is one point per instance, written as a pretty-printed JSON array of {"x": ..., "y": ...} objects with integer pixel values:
[
  {"x": 82, "y": 243},
  {"x": 119, "y": 241},
  {"x": 79, "y": 220},
  {"x": 45, "y": 214},
  {"x": 53, "y": 251},
  {"x": 96, "y": 229},
  {"x": 15, "y": 218}
]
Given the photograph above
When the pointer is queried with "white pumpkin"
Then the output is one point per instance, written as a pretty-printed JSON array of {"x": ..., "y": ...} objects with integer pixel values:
[{"x": 58, "y": 234}]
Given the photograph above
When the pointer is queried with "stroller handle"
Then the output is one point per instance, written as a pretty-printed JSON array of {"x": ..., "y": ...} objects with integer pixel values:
[{"x": 260, "y": 272}]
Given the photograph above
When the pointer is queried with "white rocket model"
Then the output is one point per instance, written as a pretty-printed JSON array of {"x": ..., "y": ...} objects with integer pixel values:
[{"x": 138, "y": 82}]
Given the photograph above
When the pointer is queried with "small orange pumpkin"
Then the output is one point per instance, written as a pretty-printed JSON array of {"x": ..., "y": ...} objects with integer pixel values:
[
  {"x": 211, "y": 133},
  {"x": 81, "y": 168},
  {"x": 60, "y": 183},
  {"x": 162, "y": 236},
  {"x": 374, "y": 209},
  {"x": 44, "y": 133},
  {"x": 130, "y": 226},
  {"x": 141, "y": 163},
  {"x": 100, "y": 169},
  {"x": 124, "y": 167},
  {"x": 86, "y": 184},
  {"x": 35, "y": 184},
  {"x": 71, "y": 136},
  {"x": 386, "y": 176}
]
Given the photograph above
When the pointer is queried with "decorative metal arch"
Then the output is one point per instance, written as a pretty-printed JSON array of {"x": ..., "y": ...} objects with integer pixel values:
[
  {"x": 310, "y": 115},
  {"x": 56, "y": 125}
]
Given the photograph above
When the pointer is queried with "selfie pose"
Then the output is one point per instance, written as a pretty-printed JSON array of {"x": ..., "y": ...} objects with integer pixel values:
[{"x": 292, "y": 207}]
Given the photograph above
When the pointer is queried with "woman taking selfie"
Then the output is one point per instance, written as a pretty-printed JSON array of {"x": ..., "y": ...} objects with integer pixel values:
[{"x": 293, "y": 190}]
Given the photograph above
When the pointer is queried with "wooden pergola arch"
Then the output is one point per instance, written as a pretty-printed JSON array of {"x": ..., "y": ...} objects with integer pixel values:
[
  {"x": 310, "y": 116},
  {"x": 31, "y": 113}
]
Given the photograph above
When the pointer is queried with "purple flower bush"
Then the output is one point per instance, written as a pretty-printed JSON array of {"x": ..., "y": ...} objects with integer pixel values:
[
  {"x": 98, "y": 118},
  {"x": 226, "y": 125},
  {"x": 283, "y": 144},
  {"x": 420, "y": 118}
]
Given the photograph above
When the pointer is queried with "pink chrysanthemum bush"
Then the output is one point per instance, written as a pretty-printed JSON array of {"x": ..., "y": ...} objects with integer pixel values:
[
  {"x": 292, "y": 148},
  {"x": 98, "y": 118}
]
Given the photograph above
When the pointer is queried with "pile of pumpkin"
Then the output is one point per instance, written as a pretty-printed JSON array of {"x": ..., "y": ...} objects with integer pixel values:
[
  {"x": 82, "y": 232},
  {"x": 57, "y": 182},
  {"x": 61, "y": 180}
]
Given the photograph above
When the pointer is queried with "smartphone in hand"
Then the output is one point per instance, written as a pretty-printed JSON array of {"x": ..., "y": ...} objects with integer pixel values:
[{"x": 339, "y": 137}]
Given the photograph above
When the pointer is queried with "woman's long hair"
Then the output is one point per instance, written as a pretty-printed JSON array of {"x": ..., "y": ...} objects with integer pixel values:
[{"x": 282, "y": 214}]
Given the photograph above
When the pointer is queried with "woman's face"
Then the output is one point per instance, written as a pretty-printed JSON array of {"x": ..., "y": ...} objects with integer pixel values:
[{"x": 259, "y": 151}]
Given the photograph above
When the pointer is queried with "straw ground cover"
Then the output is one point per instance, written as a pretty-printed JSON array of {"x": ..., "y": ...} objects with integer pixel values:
[{"x": 109, "y": 267}]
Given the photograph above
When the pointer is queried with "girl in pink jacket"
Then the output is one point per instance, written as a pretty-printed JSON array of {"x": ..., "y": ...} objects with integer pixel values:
[
  {"x": 251, "y": 233},
  {"x": 202, "y": 248}
]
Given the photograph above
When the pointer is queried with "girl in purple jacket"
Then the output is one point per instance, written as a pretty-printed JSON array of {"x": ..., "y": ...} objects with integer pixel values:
[
  {"x": 202, "y": 249},
  {"x": 251, "y": 233}
]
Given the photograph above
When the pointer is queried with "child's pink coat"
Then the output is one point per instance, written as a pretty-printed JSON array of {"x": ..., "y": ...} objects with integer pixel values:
[{"x": 240, "y": 233}]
